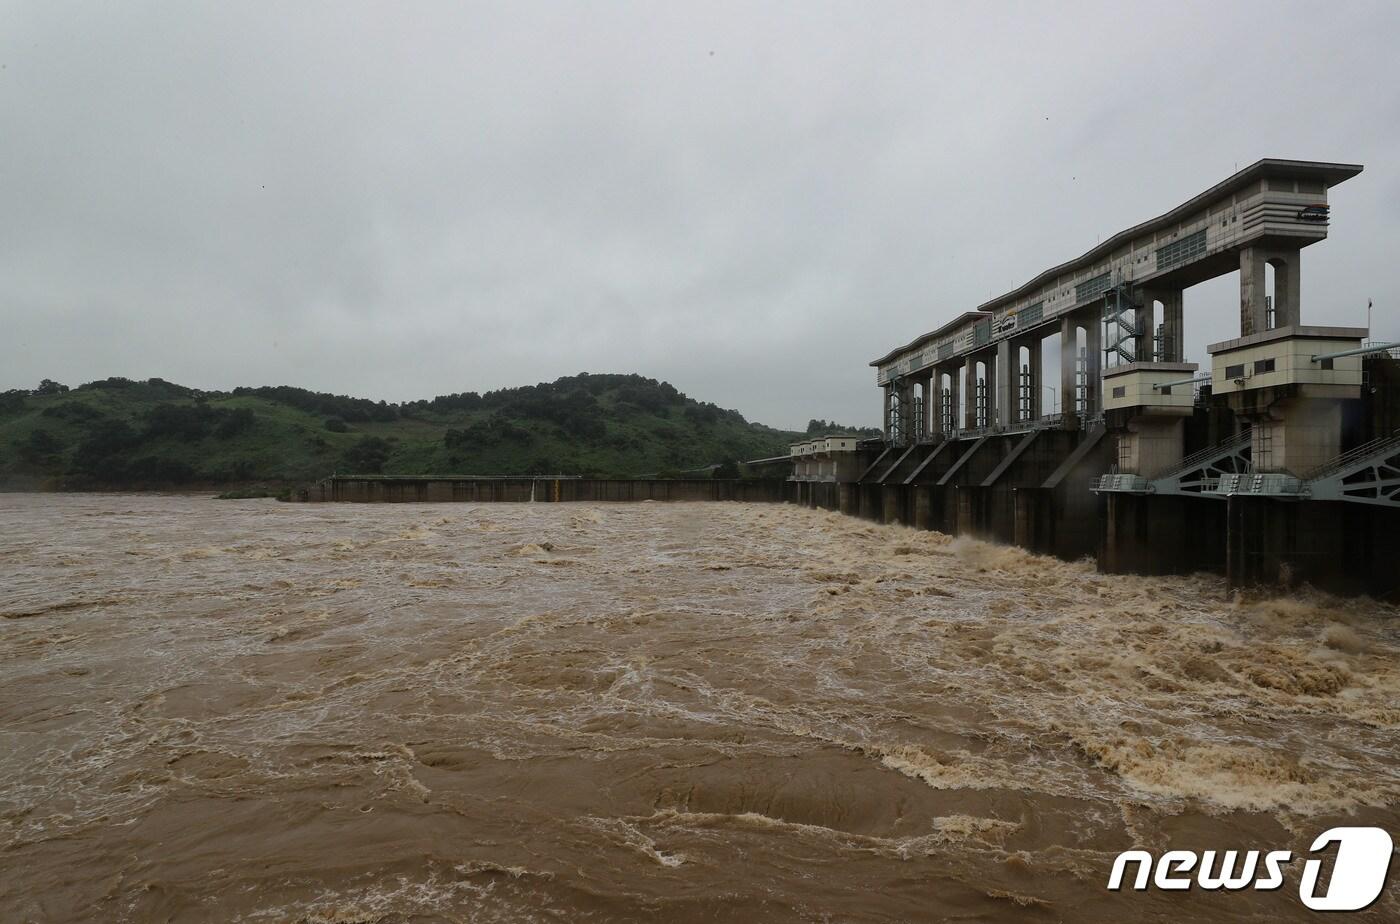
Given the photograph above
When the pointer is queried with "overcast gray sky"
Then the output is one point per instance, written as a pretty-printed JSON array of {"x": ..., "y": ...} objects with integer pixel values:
[{"x": 750, "y": 201}]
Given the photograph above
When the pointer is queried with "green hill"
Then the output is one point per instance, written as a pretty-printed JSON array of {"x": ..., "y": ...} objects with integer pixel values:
[{"x": 120, "y": 433}]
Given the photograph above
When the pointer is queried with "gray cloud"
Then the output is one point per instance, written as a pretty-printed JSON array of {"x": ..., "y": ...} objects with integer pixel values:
[{"x": 750, "y": 201}]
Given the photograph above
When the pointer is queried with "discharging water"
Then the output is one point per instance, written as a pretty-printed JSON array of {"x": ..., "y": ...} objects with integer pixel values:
[{"x": 262, "y": 712}]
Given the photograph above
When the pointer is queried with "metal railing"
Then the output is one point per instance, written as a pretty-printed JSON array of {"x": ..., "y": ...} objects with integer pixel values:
[
  {"x": 452, "y": 477},
  {"x": 1350, "y": 457},
  {"x": 1043, "y": 422},
  {"x": 1197, "y": 459}
]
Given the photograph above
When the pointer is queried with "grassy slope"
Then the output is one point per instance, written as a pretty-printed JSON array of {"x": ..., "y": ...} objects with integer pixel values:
[{"x": 285, "y": 443}]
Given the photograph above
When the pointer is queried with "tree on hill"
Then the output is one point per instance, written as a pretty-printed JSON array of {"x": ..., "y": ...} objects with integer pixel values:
[
  {"x": 817, "y": 427},
  {"x": 41, "y": 448},
  {"x": 367, "y": 455}
]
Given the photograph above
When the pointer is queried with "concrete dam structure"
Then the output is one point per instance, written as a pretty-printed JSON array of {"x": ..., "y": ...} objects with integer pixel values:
[
  {"x": 531, "y": 488},
  {"x": 1278, "y": 463}
]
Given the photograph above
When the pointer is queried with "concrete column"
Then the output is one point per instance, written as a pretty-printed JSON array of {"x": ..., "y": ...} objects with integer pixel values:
[
  {"x": 1036, "y": 352},
  {"x": 1150, "y": 445},
  {"x": 847, "y": 500},
  {"x": 1069, "y": 360},
  {"x": 890, "y": 496},
  {"x": 989, "y": 387},
  {"x": 954, "y": 395},
  {"x": 1172, "y": 348},
  {"x": 1252, "y": 317},
  {"x": 1287, "y": 286},
  {"x": 1288, "y": 283},
  {"x": 1093, "y": 364},
  {"x": 1005, "y": 379},
  {"x": 1173, "y": 327},
  {"x": 970, "y": 398},
  {"x": 931, "y": 404},
  {"x": 935, "y": 402},
  {"x": 1143, "y": 321},
  {"x": 885, "y": 416},
  {"x": 926, "y": 424},
  {"x": 1297, "y": 435},
  {"x": 908, "y": 422},
  {"x": 923, "y": 507}
]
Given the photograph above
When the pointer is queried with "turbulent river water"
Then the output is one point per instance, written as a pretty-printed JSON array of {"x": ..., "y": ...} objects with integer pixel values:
[{"x": 251, "y": 711}]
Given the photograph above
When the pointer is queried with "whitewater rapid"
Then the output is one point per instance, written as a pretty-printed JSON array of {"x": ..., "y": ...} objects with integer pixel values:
[{"x": 251, "y": 711}]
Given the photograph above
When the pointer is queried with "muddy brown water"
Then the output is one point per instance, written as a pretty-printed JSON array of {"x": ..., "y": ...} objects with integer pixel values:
[{"x": 251, "y": 711}]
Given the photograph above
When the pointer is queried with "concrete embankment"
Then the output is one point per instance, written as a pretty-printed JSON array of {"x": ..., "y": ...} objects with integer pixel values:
[{"x": 399, "y": 489}]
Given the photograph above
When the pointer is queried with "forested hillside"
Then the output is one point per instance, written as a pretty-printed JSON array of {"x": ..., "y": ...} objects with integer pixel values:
[{"x": 122, "y": 433}]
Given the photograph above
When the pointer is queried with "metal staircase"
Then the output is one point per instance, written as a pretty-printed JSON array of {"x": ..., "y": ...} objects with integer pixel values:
[
  {"x": 1121, "y": 332},
  {"x": 1368, "y": 474}
]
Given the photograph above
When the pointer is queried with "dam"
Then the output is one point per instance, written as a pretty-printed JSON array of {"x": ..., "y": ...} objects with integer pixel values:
[
  {"x": 1278, "y": 463},
  {"x": 1064, "y": 417}
]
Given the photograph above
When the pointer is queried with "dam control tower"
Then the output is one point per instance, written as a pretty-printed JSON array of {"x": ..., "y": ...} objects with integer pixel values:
[{"x": 1276, "y": 459}]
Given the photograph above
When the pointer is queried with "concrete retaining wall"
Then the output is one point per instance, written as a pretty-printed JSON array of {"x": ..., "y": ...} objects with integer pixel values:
[{"x": 542, "y": 490}]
